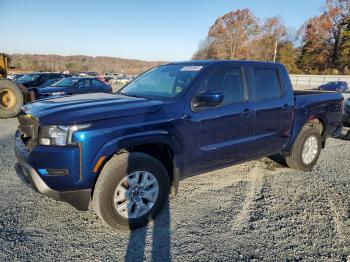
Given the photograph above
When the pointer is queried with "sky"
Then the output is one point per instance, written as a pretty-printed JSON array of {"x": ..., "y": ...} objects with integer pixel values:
[{"x": 163, "y": 30}]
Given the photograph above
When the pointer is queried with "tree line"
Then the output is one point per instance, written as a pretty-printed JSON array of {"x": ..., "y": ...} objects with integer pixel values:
[
  {"x": 55, "y": 63},
  {"x": 320, "y": 46}
]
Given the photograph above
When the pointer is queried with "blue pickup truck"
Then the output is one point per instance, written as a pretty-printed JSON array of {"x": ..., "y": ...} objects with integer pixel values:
[{"x": 126, "y": 152}]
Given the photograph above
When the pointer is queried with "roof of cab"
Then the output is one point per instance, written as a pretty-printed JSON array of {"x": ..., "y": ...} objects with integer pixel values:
[{"x": 216, "y": 61}]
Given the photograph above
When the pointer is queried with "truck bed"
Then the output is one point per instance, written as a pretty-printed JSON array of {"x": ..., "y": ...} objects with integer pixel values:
[
  {"x": 314, "y": 104},
  {"x": 315, "y": 97},
  {"x": 310, "y": 92}
]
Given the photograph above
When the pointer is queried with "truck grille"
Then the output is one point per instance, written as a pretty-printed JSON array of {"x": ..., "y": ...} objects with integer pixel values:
[{"x": 28, "y": 127}]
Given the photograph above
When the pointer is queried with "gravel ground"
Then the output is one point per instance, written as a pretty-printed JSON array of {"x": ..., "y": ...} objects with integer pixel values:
[{"x": 254, "y": 211}]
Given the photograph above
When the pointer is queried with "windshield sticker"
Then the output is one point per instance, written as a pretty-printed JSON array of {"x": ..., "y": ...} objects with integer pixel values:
[{"x": 191, "y": 68}]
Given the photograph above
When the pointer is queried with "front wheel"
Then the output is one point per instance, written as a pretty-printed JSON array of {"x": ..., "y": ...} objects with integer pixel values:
[
  {"x": 306, "y": 149},
  {"x": 131, "y": 190}
]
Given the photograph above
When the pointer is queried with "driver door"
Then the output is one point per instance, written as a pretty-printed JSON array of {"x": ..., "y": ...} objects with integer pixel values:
[{"x": 221, "y": 135}]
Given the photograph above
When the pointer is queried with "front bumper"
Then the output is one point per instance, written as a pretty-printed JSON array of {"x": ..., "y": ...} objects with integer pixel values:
[{"x": 79, "y": 199}]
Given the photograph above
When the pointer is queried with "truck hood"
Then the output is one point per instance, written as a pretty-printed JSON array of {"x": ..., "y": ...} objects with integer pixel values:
[{"x": 88, "y": 107}]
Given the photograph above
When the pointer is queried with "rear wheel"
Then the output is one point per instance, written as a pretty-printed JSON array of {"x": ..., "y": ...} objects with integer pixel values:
[
  {"x": 306, "y": 149},
  {"x": 131, "y": 190},
  {"x": 11, "y": 99}
]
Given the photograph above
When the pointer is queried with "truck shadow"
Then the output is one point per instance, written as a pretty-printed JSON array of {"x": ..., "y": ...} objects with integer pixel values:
[
  {"x": 160, "y": 239},
  {"x": 278, "y": 160},
  {"x": 152, "y": 242}
]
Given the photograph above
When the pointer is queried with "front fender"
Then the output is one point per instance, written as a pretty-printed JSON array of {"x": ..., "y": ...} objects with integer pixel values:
[{"x": 150, "y": 137}]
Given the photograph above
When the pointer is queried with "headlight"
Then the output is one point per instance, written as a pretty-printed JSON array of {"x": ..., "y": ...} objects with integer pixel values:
[
  {"x": 58, "y": 135},
  {"x": 57, "y": 93}
]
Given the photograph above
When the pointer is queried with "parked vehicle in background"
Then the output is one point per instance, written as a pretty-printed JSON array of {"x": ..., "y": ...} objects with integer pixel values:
[
  {"x": 124, "y": 81},
  {"x": 83, "y": 75},
  {"x": 37, "y": 79},
  {"x": 13, "y": 77},
  {"x": 339, "y": 86},
  {"x": 17, "y": 76},
  {"x": 13, "y": 94},
  {"x": 43, "y": 85},
  {"x": 74, "y": 85},
  {"x": 49, "y": 82},
  {"x": 94, "y": 74},
  {"x": 346, "y": 114},
  {"x": 109, "y": 79},
  {"x": 126, "y": 151}
]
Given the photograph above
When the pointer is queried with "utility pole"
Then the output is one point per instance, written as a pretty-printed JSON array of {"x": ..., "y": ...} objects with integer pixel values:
[{"x": 275, "y": 53}]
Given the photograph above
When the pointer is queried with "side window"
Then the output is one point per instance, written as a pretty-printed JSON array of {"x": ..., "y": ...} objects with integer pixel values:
[
  {"x": 44, "y": 78},
  {"x": 267, "y": 84},
  {"x": 229, "y": 81},
  {"x": 96, "y": 83},
  {"x": 84, "y": 83}
]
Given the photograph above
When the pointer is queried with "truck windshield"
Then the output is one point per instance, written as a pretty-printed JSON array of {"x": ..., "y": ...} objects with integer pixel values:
[{"x": 163, "y": 82}]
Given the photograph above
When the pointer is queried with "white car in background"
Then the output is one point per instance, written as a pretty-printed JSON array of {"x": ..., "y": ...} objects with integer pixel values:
[{"x": 124, "y": 81}]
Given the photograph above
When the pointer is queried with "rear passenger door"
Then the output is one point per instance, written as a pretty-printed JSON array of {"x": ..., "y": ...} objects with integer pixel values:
[{"x": 274, "y": 111}]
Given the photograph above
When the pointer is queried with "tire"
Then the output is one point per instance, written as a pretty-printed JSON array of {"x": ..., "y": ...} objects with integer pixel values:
[
  {"x": 11, "y": 99},
  {"x": 295, "y": 159},
  {"x": 115, "y": 171}
]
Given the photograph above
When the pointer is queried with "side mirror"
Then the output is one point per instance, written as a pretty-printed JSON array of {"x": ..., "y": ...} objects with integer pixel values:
[{"x": 209, "y": 98}]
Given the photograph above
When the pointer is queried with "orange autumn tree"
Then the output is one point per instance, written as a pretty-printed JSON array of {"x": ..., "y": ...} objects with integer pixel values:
[
  {"x": 344, "y": 52},
  {"x": 229, "y": 36},
  {"x": 271, "y": 31},
  {"x": 239, "y": 35},
  {"x": 323, "y": 37},
  {"x": 322, "y": 47}
]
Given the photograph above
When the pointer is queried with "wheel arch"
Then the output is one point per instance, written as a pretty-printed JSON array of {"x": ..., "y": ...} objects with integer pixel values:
[
  {"x": 319, "y": 122},
  {"x": 159, "y": 145}
]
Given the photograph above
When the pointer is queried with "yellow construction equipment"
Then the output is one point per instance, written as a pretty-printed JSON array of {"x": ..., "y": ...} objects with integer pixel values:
[{"x": 11, "y": 96}]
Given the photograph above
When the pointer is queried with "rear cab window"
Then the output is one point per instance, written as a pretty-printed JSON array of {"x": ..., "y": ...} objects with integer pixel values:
[{"x": 267, "y": 84}]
